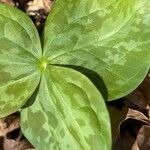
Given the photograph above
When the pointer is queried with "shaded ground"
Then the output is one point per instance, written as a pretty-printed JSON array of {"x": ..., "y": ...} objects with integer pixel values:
[
  {"x": 130, "y": 116},
  {"x": 134, "y": 130}
]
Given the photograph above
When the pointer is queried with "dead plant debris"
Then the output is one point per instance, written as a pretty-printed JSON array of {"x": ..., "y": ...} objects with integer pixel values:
[{"x": 134, "y": 129}]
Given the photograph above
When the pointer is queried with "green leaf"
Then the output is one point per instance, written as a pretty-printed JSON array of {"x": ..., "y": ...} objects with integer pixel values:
[
  {"x": 111, "y": 38},
  {"x": 19, "y": 47},
  {"x": 68, "y": 113}
]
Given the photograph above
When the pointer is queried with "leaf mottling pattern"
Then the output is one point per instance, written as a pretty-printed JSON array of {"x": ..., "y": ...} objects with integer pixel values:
[
  {"x": 19, "y": 53},
  {"x": 17, "y": 27},
  {"x": 70, "y": 111},
  {"x": 111, "y": 38}
]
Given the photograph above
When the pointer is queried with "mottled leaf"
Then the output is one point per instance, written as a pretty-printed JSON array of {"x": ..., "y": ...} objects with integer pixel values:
[
  {"x": 68, "y": 113},
  {"x": 110, "y": 37},
  {"x": 19, "y": 50}
]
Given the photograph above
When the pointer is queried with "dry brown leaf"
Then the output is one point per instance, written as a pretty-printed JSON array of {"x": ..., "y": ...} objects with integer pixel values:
[
  {"x": 11, "y": 137},
  {"x": 141, "y": 96},
  {"x": 129, "y": 130},
  {"x": 39, "y": 8},
  {"x": 9, "y": 124},
  {"x": 9, "y": 2},
  {"x": 143, "y": 138},
  {"x": 10, "y": 144},
  {"x": 134, "y": 133}
]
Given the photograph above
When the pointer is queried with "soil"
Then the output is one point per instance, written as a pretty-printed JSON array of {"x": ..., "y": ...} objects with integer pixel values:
[{"x": 130, "y": 116}]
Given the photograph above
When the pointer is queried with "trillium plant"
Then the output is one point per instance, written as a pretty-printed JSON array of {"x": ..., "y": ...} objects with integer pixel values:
[{"x": 91, "y": 51}]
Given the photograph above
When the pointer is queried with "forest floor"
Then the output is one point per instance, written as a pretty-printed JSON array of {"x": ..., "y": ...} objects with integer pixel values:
[{"x": 130, "y": 116}]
